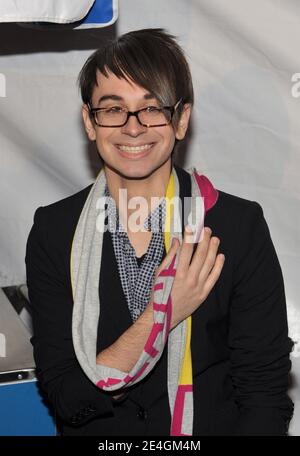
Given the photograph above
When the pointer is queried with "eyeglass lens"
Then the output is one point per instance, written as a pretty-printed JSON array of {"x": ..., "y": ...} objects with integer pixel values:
[{"x": 149, "y": 117}]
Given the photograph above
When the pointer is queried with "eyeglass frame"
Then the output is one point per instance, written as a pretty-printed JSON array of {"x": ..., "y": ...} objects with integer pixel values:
[{"x": 172, "y": 110}]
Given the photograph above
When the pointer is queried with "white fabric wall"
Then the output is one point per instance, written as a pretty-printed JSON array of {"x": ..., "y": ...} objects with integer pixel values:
[{"x": 245, "y": 134}]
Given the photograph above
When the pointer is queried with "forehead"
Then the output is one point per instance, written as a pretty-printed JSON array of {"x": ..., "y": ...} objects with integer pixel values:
[{"x": 112, "y": 85}]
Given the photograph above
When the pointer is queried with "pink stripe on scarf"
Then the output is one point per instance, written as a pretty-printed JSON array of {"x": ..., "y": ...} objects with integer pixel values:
[
  {"x": 176, "y": 428},
  {"x": 149, "y": 348},
  {"x": 208, "y": 191},
  {"x": 170, "y": 270},
  {"x": 109, "y": 382}
]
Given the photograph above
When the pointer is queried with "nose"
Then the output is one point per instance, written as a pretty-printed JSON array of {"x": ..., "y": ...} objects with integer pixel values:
[{"x": 133, "y": 127}]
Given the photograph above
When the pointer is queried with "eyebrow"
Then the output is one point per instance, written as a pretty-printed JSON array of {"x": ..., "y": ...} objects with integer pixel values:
[{"x": 147, "y": 96}]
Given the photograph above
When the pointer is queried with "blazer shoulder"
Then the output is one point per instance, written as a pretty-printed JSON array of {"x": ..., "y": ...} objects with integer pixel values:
[
  {"x": 57, "y": 221},
  {"x": 234, "y": 216},
  {"x": 228, "y": 204},
  {"x": 68, "y": 205}
]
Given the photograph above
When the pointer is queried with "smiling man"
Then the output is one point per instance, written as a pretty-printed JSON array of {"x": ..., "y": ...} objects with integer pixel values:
[
  {"x": 143, "y": 332},
  {"x": 135, "y": 157}
]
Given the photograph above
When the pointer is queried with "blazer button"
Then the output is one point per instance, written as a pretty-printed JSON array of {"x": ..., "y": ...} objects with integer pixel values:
[{"x": 142, "y": 414}]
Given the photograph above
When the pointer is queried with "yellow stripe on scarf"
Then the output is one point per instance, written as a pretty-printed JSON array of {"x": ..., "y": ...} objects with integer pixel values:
[
  {"x": 186, "y": 374},
  {"x": 169, "y": 210}
]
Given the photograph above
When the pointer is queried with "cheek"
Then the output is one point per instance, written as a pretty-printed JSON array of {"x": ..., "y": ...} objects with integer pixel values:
[
  {"x": 167, "y": 137},
  {"x": 170, "y": 141},
  {"x": 104, "y": 139}
]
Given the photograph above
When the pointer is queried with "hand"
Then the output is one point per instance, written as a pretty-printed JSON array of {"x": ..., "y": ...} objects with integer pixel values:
[{"x": 194, "y": 278}]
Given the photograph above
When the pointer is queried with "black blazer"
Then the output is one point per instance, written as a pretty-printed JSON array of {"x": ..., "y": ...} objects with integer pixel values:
[{"x": 240, "y": 344}]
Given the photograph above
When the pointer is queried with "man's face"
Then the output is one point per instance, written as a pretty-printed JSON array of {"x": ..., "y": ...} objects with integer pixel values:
[{"x": 132, "y": 151}]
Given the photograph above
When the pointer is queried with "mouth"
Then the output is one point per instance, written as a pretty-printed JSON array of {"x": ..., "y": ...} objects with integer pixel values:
[{"x": 134, "y": 151}]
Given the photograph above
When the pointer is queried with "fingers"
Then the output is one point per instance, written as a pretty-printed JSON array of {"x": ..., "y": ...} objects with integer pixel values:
[
  {"x": 169, "y": 257},
  {"x": 203, "y": 261},
  {"x": 186, "y": 253},
  {"x": 206, "y": 265},
  {"x": 210, "y": 258},
  {"x": 201, "y": 253},
  {"x": 214, "y": 275}
]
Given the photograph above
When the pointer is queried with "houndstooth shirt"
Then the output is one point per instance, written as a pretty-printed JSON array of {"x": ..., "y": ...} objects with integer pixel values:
[{"x": 136, "y": 274}]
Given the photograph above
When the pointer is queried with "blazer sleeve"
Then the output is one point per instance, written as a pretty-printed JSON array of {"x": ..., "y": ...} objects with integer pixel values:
[
  {"x": 258, "y": 334},
  {"x": 74, "y": 397}
]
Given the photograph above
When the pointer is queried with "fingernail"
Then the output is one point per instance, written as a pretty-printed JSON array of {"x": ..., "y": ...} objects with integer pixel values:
[
  {"x": 207, "y": 230},
  {"x": 189, "y": 229}
]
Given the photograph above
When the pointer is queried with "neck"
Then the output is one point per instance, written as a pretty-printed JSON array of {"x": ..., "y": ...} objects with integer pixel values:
[{"x": 153, "y": 186}]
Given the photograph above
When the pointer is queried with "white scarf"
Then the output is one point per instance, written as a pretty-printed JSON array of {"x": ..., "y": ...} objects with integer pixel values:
[{"x": 85, "y": 265}]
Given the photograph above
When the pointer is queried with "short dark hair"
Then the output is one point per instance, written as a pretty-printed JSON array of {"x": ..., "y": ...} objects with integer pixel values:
[{"x": 151, "y": 58}]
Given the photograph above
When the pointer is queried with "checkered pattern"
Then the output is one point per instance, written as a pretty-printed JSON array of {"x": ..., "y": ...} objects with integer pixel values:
[{"x": 137, "y": 281}]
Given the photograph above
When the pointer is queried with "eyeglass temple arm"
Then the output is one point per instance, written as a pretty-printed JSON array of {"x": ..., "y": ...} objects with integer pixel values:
[{"x": 177, "y": 104}]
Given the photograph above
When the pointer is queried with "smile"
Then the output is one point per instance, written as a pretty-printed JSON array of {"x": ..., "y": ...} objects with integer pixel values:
[{"x": 135, "y": 149}]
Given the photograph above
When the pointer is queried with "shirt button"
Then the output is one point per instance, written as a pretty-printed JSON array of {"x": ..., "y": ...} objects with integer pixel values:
[
  {"x": 127, "y": 247},
  {"x": 142, "y": 414}
]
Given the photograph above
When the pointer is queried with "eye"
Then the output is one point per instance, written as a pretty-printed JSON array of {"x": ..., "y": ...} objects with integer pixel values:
[
  {"x": 114, "y": 109},
  {"x": 153, "y": 109}
]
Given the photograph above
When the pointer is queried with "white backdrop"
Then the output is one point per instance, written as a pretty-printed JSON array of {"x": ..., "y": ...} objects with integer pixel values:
[{"x": 245, "y": 134}]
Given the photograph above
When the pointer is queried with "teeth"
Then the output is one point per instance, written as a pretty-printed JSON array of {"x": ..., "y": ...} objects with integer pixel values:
[{"x": 135, "y": 149}]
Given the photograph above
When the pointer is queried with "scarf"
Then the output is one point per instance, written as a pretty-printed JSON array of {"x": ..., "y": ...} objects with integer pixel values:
[{"x": 85, "y": 263}]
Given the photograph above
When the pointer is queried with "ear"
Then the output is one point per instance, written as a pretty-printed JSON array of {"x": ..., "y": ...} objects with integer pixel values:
[
  {"x": 88, "y": 123},
  {"x": 183, "y": 122}
]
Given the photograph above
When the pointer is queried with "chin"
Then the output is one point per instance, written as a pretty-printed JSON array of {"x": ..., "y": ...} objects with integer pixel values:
[
  {"x": 133, "y": 172},
  {"x": 138, "y": 170}
]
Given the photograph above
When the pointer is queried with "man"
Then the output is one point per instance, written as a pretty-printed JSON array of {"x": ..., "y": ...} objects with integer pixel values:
[{"x": 96, "y": 300}]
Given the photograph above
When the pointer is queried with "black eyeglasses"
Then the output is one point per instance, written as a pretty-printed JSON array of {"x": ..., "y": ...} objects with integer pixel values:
[{"x": 116, "y": 116}]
